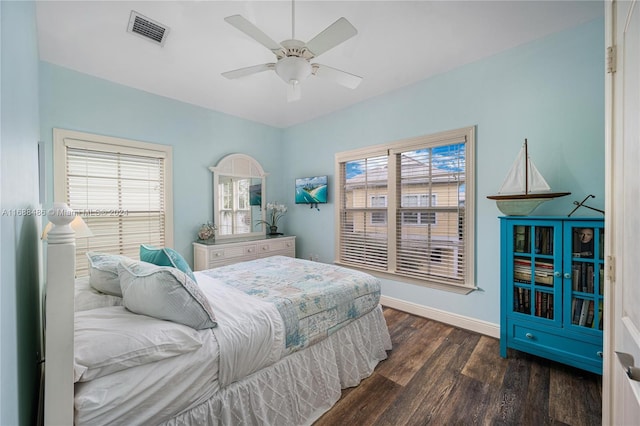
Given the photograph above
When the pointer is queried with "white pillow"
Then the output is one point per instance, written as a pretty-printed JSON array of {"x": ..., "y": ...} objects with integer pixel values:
[
  {"x": 112, "y": 339},
  {"x": 103, "y": 272},
  {"x": 165, "y": 293},
  {"x": 87, "y": 297}
]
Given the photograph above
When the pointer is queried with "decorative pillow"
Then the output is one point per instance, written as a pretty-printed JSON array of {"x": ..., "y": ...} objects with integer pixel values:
[
  {"x": 165, "y": 257},
  {"x": 165, "y": 293},
  {"x": 112, "y": 339},
  {"x": 103, "y": 272}
]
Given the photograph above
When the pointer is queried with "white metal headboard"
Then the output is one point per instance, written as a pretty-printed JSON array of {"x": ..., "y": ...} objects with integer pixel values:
[{"x": 59, "y": 311}]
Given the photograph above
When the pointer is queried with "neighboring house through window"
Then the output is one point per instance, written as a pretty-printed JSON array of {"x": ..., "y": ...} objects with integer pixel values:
[
  {"x": 121, "y": 188},
  {"x": 402, "y": 210}
]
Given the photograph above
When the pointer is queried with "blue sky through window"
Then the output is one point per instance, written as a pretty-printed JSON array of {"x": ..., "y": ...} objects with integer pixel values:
[{"x": 448, "y": 157}]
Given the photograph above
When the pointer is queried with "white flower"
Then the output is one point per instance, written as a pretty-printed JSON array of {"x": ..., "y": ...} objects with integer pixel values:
[{"x": 274, "y": 212}]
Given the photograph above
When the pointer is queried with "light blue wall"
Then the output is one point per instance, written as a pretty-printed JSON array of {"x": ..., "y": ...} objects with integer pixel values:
[
  {"x": 20, "y": 246},
  {"x": 200, "y": 137},
  {"x": 550, "y": 91}
]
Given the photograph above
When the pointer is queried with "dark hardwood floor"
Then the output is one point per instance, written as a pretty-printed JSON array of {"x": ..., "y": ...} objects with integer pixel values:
[{"x": 439, "y": 374}]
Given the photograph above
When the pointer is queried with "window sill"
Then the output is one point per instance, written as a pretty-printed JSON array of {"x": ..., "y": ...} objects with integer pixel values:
[{"x": 452, "y": 288}]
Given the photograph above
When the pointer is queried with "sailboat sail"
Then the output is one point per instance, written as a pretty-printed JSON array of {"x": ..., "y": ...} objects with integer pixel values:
[
  {"x": 524, "y": 188},
  {"x": 516, "y": 183}
]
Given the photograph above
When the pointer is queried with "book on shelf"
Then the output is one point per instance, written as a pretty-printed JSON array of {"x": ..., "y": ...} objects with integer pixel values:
[
  {"x": 601, "y": 245},
  {"x": 601, "y": 281},
  {"x": 544, "y": 304},
  {"x": 521, "y": 302},
  {"x": 589, "y": 321},
  {"x": 600, "y": 316},
  {"x": 576, "y": 309},
  {"x": 520, "y": 299},
  {"x": 589, "y": 278},
  {"x": 584, "y": 310},
  {"x": 520, "y": 239},
  {"x": 575, "y": 277},
  {"x": 543, "y": 240},
  {"x": 543, "y": 271}
]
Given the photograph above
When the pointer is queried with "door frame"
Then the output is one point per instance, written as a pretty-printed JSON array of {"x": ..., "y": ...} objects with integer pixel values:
[{"x": 609, "y": 308}]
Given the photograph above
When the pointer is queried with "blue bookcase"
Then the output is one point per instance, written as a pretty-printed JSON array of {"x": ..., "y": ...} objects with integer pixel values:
[{"x": 552, "y": 282}]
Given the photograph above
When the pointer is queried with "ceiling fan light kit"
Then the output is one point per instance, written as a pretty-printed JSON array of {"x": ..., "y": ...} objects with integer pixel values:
[
  {"x": 293, "y": 65},
  {"x": 292, "y": 69}
]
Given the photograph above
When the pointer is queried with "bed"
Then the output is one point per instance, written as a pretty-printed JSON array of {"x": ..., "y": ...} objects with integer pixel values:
[{"x": 281, "y": 348}]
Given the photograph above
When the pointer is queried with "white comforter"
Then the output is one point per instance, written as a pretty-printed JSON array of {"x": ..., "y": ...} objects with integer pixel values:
[
  {"x": 250, "y": 332},
  {"x": 249, "y": 337}
]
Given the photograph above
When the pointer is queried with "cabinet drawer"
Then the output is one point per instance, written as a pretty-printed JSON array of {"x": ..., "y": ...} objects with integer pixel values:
[{"x": 546, "y": 341}]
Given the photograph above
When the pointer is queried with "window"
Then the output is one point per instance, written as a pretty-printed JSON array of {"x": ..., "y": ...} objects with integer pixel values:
[
  {"x": 378, "y": 217},
  {"x": 418, "y": 216},
  {"x": 121, "y": 188},
  {"x": 402, "y": 210}
]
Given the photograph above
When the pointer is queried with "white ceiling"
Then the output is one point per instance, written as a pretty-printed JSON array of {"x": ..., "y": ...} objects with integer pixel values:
[{"x": 398, "y": 43}]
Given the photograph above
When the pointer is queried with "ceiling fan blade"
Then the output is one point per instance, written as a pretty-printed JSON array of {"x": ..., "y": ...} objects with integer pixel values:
[
  {"x": 333, "y": 35},
  {"x": 293, "y": 92},
  {"x": 254, "y": 32},
  {"x": 341, "y": 77},
  {"x": 242, "y": 72}
]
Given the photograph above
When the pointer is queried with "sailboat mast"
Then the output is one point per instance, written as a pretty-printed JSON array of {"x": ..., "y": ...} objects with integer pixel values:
[{"x": 526, "y": 167}]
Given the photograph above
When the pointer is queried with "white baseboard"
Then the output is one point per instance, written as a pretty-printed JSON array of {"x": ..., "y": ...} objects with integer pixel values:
[{"x": 472, "y": 324}]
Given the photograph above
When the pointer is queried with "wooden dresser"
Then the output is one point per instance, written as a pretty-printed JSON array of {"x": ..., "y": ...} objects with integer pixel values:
[{"x": 220, "y": 253}]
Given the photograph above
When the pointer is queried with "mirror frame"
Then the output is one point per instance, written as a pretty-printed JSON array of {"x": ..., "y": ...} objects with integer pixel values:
[{"x": 242, "y": 166}]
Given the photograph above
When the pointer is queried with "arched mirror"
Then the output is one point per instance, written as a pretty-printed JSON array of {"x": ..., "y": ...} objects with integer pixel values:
[{"x": 238, "y": 197}]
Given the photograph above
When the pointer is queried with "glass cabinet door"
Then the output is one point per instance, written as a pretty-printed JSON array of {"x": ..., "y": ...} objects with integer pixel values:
[
  {"x": 535, "y": 273},
  {"x": 586, "y": 266}
]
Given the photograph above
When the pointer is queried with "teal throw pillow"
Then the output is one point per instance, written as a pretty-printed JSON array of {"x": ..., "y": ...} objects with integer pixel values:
[{"x": 165, "y": 257}]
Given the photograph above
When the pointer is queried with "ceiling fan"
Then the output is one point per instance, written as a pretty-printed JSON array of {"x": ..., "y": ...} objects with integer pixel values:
[{"x": 294, "y": 56}]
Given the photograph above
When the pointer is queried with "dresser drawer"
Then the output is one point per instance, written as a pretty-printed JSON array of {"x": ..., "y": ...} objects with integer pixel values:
[
  {"x": 275, "y": 246},
  {"x": 542, "y": 342},
  {"x": 232, "y": 252},
  {"x": 207, "y": 256}
]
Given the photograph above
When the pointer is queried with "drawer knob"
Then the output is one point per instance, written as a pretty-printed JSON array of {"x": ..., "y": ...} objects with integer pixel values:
[
  {"x": 567, "y": 275},
  {"x": 529, "y": 336},
  {"x": 599, "y": 353},
  {"x": 249, "y": 250},
  {"x": 264, "y": 248},
  {"x": 557, "y": 274},
  {"x": 218, "y": 254}
]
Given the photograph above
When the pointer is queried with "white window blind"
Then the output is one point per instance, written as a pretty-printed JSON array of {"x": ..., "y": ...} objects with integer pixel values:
[
  {"x": 121, "y": 193},
  {"x": 389, "y": 220},
  {"x": 432, "y": 246},
  {"x": 363, "y": 224}
]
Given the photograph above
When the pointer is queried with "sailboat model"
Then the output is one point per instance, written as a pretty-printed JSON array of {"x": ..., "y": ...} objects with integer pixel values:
[{"x": 524, "y": 188}]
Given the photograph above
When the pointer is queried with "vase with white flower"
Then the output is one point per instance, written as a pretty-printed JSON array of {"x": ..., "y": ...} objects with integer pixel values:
[{"x": 275, "y": 211}]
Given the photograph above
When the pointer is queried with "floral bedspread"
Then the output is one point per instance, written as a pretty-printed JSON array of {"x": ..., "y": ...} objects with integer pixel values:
[{"x": 314, "y": 299}]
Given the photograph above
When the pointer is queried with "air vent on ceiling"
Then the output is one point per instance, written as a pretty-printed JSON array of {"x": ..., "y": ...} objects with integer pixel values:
[{"x": 147, "y": 28}]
